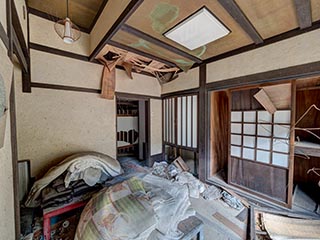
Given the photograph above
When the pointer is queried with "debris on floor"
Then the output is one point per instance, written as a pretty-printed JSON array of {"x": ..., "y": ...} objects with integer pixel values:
[{"x": 231, "y": 200}]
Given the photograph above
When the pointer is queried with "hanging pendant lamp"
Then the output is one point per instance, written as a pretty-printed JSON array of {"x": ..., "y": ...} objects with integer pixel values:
[{"x": 67, "y": 30}]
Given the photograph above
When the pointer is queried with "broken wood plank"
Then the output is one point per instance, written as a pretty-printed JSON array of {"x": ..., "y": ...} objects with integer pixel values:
[
  {"x": 265, "y": 101},
  {"x": 128, "y": 69},
  {"x": 108, "y": 83},
  {"x": 230, "y": 225}
]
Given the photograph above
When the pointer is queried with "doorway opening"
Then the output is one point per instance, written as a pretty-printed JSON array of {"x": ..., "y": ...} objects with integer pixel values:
[{"x": 133, "y": 129}]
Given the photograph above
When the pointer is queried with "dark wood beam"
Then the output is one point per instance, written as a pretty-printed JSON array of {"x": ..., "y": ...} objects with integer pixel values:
[
  {"x": 236, "y": 13},
  {"x": 303, "y": 11},
  {"x": 284, "y": 74},
  {"x": 9, "y": 27},
  {"x": 19, "y": 52},
  {"x": 159, "y": 43},
  {"x": 20, "y": 48},
  {"x": 103, "y": 5},
  {"x": 14, "y": 152},
  {"x": 63, "y": 53},
  {"x": 278, "y": 38},
  {"x": 52, "y": 18},
  {"x": 136, "y": 51},
  {"x": 4, "y": 37},
  {"x": 180, "y": 93},
  {"x": 128, "y": 11},
  {"x": 55, "y": 51},
  {"x": 202, "y": 122}
]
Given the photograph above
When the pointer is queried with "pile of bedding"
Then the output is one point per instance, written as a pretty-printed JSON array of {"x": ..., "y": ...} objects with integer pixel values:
[
  {"x": 145, "y": 207},
  {"x": 87, "y": 167}
]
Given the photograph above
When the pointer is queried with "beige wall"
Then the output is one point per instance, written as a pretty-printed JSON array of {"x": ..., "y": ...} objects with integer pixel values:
[
  {"x": 3, "y": 16},
  {"x": 7, "y": 230},
  {"x": 140, "y": 84},
  {"x": 156, "y": 123},
  {"x": 185, "y": 81},
  {"x": 290, "y": 52},
  {"x": 42, "y": 32},
  {"x": 52, "y": 124},
  {"x": 106, "y": 20},
  {"x": 56, "y": 69}
]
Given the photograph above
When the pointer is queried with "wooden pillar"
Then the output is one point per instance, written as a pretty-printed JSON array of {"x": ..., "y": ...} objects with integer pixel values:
[{"x": 202, "y": 122}]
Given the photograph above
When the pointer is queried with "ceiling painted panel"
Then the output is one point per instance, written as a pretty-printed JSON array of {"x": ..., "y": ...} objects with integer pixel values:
[
  {"x": 81, "y": 12},
  {"x": 155, "y": 17},
  {"x": 270, "y": 17}
]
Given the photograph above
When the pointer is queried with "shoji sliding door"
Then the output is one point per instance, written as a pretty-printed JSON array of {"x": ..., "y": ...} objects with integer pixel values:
[{"x": 180, "y": 118}]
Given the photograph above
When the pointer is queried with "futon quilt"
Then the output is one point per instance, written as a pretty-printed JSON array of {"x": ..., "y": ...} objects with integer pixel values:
[{"x": 144, "y": 207}]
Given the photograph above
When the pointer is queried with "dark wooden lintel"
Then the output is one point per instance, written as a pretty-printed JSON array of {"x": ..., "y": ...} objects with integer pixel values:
[
  {"x": 294, "y": 72},
  {"x": 158, "y": 42},
  {"x": 234, "y": 10},
  {"x": 19, "y": 52},
  {"x": 90, "y": 90},
  {"x": 136, "y": 51},
  {"x": 9, "y": 27},
  {"x": 63, "y": 53},
  {"x": 128, "y": 11},
  {"x": 303, "y": 12}
]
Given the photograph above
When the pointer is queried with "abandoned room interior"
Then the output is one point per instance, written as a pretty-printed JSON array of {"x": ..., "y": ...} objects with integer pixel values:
[{"x": 170, "y": 119}]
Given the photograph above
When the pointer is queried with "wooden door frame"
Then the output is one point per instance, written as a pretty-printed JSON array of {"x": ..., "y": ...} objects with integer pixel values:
[{"x": 129, "y": 96}]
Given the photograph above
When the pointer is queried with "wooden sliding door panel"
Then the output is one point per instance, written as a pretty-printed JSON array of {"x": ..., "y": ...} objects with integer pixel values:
[
  {"x": 260, "y": 160},
  {"x": 260, "y": 178}
]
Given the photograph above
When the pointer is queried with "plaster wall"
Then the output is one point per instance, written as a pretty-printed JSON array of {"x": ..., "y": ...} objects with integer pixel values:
[
  {"x": 290, "y": 52},
  {"x": 185, "y": 81},
  {"x": 3, "y": 16},
  {"x": 156, "y": 129},
  {"x": 55, "y": 69},
  {"x": 42, "y": 32},
  {"x": 52, "y": 124},
  {"x": 7, "y": 230}
]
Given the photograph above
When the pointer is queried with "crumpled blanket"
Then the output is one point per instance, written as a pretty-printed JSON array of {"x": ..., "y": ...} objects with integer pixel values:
[
  {"x": 142, "y": 208},
  {"x": 78, "y": 166},
  {"x": 195, "y": 186}
]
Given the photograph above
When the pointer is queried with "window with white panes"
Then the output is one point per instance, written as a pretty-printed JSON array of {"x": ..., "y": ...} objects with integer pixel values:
[{"x": 260, "y": 136}]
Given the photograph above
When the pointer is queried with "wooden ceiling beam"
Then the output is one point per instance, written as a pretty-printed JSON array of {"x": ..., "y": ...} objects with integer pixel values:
[
  {"x": 144, "y": 54},
  {"x": 159, "y": 43},
  {"x": 303, "y": 12},
  {"x": 128, "y": 11},
  {"x": 103, "y": 5},
  {"x": 236, "y": 13}
]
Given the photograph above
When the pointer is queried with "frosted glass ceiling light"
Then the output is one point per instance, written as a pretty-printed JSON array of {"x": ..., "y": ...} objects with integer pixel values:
[
  {"x": 197, "y": 30},
  {"x": 67, "y": 30}
]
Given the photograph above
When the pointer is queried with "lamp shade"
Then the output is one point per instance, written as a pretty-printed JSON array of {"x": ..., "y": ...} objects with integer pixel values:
[{"x": 67, "y": 30}]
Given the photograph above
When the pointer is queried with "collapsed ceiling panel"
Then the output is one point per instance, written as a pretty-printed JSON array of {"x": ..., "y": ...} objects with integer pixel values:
[
  {"x": 131, "y": 62},
  {"x": 142, "y": 45}
]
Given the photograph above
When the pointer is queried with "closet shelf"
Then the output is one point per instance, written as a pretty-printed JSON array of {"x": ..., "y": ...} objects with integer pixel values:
[{"x": 307, "y": 148}]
